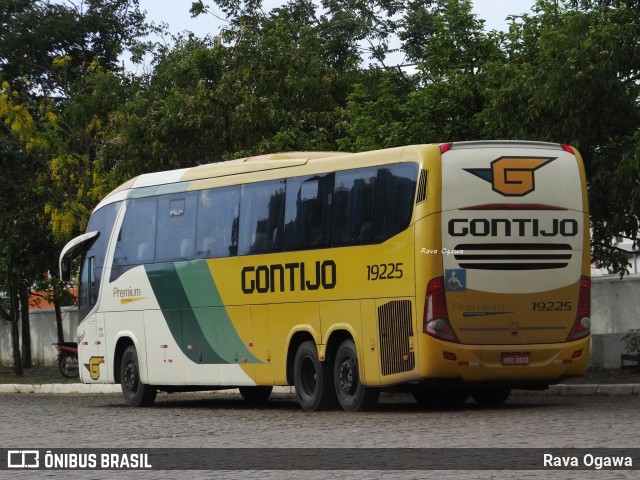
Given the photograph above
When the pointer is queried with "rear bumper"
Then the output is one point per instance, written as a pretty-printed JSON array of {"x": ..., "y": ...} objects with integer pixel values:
[{"x": 548, "y": 363}]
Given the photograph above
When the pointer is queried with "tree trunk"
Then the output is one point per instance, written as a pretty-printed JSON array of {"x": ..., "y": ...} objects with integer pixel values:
[
  {"x": 14, "y": 313},
  {"x": 56, "y": 306},
  {"x": 26, "y": 328}
]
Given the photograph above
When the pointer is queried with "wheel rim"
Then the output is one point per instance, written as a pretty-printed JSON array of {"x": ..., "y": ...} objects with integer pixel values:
[
  {"x": 308, "y": 377},
  {"x": 348, "y": 376},
  {"x": 130, "y": 377}
]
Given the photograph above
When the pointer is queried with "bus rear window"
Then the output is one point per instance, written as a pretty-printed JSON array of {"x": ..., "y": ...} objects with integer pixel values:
[{"x": 395, "y": 190}]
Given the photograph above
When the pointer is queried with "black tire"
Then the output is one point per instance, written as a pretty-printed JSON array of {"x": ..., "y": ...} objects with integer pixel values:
[
  {"x": 68, "y": 365},
  {"x": 135, "y": 393},
  {"x": 352, "y": 394},
  {"x": 313, "y": 379},
  {"x": 491, "y": 397},
  {"x": 256, "y": 395},
  {"x": 441, "y": 399}
]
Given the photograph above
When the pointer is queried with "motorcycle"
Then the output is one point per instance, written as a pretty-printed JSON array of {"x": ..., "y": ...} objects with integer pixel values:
[{"x": 68, "y": 359}]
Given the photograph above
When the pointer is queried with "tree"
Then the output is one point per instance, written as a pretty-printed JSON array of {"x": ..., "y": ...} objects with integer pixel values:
[
  {"x": 46, "y": 50},
  {"x": 268, "y": 82},
  {"x": 26, "y": 245},
  {"x": 571, "y": 76},
  {"x": 442, "y": 99},
  {"x": 37, "y": 35}
]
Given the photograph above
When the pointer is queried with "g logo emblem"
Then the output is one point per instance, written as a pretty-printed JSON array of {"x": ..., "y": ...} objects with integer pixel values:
[
  {"x": 512, "y": 176},
  {"x": 94, "y": 367}
]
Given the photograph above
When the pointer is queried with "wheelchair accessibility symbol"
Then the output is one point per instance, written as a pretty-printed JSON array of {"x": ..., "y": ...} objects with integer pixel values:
[{"x": 455, "y": 280}]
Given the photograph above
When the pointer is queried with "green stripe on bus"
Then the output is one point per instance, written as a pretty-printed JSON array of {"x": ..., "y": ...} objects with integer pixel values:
[{"x": 204, "y": 331}]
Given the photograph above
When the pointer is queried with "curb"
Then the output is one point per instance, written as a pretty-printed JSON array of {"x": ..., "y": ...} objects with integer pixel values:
[{"x": 612, "y": 390}]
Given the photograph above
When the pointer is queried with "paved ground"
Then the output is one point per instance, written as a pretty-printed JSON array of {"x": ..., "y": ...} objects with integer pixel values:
[{"x": 214, "y": 420}]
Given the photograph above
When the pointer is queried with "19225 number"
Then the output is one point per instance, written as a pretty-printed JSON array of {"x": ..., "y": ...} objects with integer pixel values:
[
  {"x": 385, "y": 271},
  {"x": 551, "y": 306}
]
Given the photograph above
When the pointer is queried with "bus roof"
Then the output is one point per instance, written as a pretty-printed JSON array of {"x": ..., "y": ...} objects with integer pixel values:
[{"x": 221, "y": 169}]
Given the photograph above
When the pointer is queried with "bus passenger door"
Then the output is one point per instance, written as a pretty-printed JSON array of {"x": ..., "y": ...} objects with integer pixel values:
[
  {"x": 92, "y": 351},
  {"x": 87, "y": 352}
]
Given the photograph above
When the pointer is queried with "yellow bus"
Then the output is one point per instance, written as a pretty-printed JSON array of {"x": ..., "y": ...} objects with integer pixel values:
[{"x": 447, "y": 271}]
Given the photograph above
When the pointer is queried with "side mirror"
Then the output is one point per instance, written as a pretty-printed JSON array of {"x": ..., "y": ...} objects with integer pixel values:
[{"x": 73, "y": 249}]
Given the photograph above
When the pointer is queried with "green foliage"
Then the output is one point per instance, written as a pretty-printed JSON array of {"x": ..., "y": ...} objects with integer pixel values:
[
  {"x": 377, "y": 115},
  {"x": 445, "y": 95},
  {"x": 38, "y": 34},
  {"x": 267, "y": 83}
]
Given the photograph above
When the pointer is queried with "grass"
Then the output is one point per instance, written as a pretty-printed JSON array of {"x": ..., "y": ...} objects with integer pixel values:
[{"x": 36, "y": 375}]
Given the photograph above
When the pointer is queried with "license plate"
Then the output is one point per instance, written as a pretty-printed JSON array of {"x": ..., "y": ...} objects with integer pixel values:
[{"x": 516, "y": 358}]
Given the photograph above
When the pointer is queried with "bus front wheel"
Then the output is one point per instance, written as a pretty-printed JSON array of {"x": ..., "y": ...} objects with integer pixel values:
[
  {"x": 352, "y": 394},
  {"x": 313, "y": 379},
  {"x": 136, "y": 393}
]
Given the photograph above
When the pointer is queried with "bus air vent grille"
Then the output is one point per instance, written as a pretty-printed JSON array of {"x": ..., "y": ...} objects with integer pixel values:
[
  {"x": 421, "y": 196},
  {"x": 513, "y": 256},
  {"x": 395, "y": 329}
]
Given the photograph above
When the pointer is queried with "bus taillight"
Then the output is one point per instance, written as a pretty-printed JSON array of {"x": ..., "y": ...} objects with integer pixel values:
[
  {"x": 445, "y": 147},
  {"x": 582, "y": 325},
  {"x": 436, "y": 318}
]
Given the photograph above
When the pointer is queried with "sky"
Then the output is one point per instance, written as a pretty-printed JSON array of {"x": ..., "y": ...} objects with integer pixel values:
[{"x": 175, "y": 13}]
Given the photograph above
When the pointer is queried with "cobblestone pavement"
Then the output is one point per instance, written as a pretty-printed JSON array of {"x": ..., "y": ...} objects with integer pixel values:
[{"x": 222, "y": 420}]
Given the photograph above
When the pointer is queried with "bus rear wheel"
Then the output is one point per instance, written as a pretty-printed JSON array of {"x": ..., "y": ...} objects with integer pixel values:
[
  {"x": 352, "y": 394},
  {"x": 255, "y": 395},
  {"x": 135, "y": 393},
  {"x": 491, "y": 397},
  {"x": 313, "y": 379}
]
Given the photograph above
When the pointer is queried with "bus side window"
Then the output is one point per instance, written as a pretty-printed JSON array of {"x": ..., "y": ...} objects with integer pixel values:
[
  {"x": 137, "y": 237},
  {"x": 262, "y": 217},
  {"x": 353, "y": 206},
  {"x": 176, "y": 227},
  {"x": 218, "y": 216},
  {"x": 308, "y": 212}
]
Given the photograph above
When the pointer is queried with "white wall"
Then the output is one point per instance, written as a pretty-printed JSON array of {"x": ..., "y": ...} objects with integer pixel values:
[
  {"x": 615, "y": 308},
  {"x": 43, "y": 334},
  {"x": 615, "y": 304}
]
